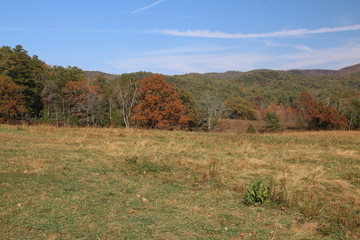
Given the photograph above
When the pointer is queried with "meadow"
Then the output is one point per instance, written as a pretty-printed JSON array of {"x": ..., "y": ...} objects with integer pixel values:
[{"x": 110, "y": 183}]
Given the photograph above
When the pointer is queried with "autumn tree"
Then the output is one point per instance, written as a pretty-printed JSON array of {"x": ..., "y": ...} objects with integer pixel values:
[
  {"x": 159, "y": 106},
  {"x": 83, "y": 102},
  {"x": 11, "y": 100},
  {"x": 53, "y": 96},
  {"x": 318, "y": 115}
]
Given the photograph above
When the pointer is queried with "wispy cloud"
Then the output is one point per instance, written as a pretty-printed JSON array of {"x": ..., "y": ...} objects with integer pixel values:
[
  {"x": 283, "y": 33},
  {"x": 199, "y": 63},
  {"x": 297, "y": 46},
  {"x": 147, "y": 7},
  {"x": 334, "y": 58},
  {"x": 64, "y": 30},
  {"x": 187, "y": 50},
  {"x": 173, "y": 62}
]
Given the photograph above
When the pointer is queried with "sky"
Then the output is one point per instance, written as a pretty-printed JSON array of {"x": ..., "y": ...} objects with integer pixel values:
[{"x": 183, "y": 36}]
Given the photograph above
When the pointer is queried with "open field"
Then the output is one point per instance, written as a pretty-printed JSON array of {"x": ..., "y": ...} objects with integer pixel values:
[
  {"x": 240, "y": 126},
  {"x": 84, "y": 183}
]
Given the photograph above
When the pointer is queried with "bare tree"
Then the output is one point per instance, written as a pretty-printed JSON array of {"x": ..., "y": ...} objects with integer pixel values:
[
  {"x": 215, "y": 109},
  {"x": 125, "y": 93}
]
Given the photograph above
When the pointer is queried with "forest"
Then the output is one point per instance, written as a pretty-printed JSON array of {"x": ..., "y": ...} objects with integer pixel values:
[{"x": 32, "y": 92}]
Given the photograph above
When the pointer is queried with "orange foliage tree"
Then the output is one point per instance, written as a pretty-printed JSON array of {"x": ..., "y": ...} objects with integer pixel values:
[
  {"x": 11, "y": 100},
  {"x": 318, "y": 115},
  {"x": 159, "y": 106}
]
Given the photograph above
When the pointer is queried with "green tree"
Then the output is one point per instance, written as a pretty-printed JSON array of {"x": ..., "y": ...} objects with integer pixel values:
[
  {"x": 27, "y": 72},
  {"x": 251, "y": 129},
  {"x": 272, "y": 122},
  {"x": 240, "y": 108},
  {"x": 191, "y": 110},
  {"x": 353, "y": 114},
  {"x": 52, "y": 93}
]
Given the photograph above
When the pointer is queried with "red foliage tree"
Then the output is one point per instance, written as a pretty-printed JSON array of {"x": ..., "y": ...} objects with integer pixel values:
[
  {"x": 160, "y": 106},
  {"x": 318, "y": 115},
  {"x": 11, "y": 100}
]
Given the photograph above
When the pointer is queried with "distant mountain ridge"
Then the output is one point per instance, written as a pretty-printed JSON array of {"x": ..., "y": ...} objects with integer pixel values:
[
  {"x": 234, "y": 74},
  {"x": 263, "y": 86},
  {"x": 323, "y": 72}
]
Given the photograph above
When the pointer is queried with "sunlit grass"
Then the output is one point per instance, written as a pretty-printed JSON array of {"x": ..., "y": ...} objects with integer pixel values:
[{"x": 70, "y": 183}]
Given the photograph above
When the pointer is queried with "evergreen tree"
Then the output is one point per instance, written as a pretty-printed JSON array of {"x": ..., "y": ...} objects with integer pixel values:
[
  {"x": 272, "y": 122},
  {"x": 251, "y": 129},
  {"x": 27, "y": 72}
]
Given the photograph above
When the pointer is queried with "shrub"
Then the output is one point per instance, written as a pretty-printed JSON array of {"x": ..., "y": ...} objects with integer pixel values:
[
  {"x": 251, "y": 129},
  {"x": 257, "y": 192}
]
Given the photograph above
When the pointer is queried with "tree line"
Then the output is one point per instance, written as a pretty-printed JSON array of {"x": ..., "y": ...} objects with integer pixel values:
[{"x": 32, "y": 91}]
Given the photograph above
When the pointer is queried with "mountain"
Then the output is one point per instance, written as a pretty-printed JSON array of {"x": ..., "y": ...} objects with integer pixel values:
[
  {"x": 272, "y": 86},
  {"x": 350, "y": 70},
  {"x": 323, "y": 72},
  {"x": 235, "y": 74},
  {"x": 94, "y": 74}
]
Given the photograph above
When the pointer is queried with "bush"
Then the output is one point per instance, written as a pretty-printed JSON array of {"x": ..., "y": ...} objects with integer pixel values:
[
  {"x": 257, "y": 192},
  {"x": 251, "y": 129}
]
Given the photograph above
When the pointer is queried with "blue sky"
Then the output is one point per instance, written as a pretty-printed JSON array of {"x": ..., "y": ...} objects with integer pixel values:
[{"x": 182, "y": 36}]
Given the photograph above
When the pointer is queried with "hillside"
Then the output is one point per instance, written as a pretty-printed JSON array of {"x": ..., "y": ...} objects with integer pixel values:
[
  {"x": 275, "y": 86},
  {"x": 235, "y": 74}
]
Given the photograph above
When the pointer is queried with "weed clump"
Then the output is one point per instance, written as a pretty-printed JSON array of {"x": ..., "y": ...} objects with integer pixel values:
[
  {"x": 144, "y": 165},
  {"x": 257, "y": 192}
]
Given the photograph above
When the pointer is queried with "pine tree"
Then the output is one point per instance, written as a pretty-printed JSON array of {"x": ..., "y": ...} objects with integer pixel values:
[{"x": 251, "y": 129}]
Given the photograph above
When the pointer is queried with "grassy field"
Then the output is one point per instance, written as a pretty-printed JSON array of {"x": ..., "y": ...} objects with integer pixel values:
[{"x": 83, "y": 183}]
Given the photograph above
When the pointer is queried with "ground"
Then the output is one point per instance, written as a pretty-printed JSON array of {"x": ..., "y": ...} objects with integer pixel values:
[{"x": 107, "y": 183}]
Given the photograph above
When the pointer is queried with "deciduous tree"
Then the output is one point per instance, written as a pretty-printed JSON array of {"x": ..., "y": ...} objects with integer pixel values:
[
  {"x": 125, "y": 93},
  {"x": 83, "y": 102},
  {"x": 318, "y": 115},
  {"x": 159, "y": 106},
  {"x": 240, "y": 108},
  {"x": 191, "y": 110},
  {"x": 11, "y": 100}
]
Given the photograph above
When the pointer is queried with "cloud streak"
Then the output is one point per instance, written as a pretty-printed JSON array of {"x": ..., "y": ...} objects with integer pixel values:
[
  {"x": 20, "y": 29},
  {"x": 202, "y": 62},
  {"x": 283, "y": 33},
  {"x": 147, "y": 7},
  {"x": 297, "y": 46}
]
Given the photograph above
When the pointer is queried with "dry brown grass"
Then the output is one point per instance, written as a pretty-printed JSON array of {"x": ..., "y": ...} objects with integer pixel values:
[{"x": 319, "y": 171}]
